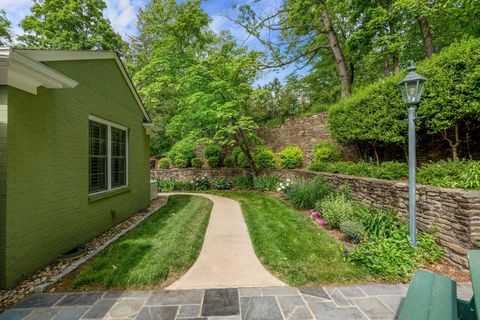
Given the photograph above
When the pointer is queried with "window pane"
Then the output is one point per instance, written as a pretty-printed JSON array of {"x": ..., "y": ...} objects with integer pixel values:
[
  {"x": 119, "y": 157},
  {"x": 97, "y": 157}
]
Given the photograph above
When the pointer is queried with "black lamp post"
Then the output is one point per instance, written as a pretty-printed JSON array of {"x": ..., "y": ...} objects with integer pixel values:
[{"x": 412, "y": 88}]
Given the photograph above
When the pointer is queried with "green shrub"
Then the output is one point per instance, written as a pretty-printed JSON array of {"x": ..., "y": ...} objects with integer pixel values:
[
  {"x": 200, "y": 184},
  {"x": 197, "y": 163},
  {"x": 291, "y": 157},
  {"x": 305, "y": 193},
  {"x": 266, "y": 159},
  {"x": 182, "y": 150},
  {"x": 390, "y": 170},
  {"x": 335, "y": 209},
  {"x": 213, "y": 162},
  {"x": 169, "y": 185},
  {"x": 241, "y": 160},
  {"x": 243, "y": 182},
  {"x": 180, "y": 163},
  {"x": 164, "y": 163},
  {"x": 451, "y": 174},
  {"x": 222, "y": 184},
  {"x": 229, "y": 161},
  {"x": 266, "y": 182},
  {"x": 353, "y": 229},
  {"x": 393, "y": 257},
  {"x": 325, "y": 151},
  {"x": 378, "y": 223},
  {"x": 212, "y": 151}
]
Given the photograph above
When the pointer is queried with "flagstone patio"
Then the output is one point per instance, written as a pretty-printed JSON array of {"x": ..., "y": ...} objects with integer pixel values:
[{"x": 274, "y": 303}]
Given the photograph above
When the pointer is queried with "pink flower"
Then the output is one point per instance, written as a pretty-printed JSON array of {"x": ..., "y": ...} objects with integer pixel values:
[{"x": 320, "y": 222}]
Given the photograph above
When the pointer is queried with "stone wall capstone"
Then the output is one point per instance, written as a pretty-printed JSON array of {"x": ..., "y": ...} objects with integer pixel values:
[{"x": 454, "y": 214}]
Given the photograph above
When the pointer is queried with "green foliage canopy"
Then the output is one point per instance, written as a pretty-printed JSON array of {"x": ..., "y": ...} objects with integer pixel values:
[{"x": 69, "y": 24}]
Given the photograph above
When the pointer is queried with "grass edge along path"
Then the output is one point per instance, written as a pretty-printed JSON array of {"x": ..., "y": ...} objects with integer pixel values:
[
  {"x": 291, "y": 246},
  {"x": 155, "y": 253}
]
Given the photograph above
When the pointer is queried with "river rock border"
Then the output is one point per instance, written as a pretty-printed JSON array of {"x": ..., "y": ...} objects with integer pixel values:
[{"x": 454, "y": 214}]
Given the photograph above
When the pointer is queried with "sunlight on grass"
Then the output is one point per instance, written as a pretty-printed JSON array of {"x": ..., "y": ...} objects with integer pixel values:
[
  {"x": 163, "y": 246},
  {"x": 291, "y": 246}
]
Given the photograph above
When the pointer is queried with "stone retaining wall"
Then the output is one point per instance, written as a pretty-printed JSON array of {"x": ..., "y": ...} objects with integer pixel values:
[
  {"x": 305, "y": 132},
  {"x": 454, "y": 213}
]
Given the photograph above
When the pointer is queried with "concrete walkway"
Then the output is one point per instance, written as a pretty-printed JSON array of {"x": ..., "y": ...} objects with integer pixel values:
[{"x": 227, "y": 258}]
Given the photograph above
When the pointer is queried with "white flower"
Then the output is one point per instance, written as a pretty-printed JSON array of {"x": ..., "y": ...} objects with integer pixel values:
[
  {"x": 288, "y": 180},
  {"x": 279, "y": 189}
]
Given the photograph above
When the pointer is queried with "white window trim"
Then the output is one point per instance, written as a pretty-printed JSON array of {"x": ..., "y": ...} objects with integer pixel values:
[{"x": 110, "y": 124}]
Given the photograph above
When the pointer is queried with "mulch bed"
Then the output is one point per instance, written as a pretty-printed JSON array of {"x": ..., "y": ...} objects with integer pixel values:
[{"x": 43, "y": 276}]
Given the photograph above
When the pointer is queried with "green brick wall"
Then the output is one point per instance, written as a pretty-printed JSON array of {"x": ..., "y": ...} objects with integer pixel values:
[
  {"x": 3, "y": 179},
  {"x": 48, "y": 208}
]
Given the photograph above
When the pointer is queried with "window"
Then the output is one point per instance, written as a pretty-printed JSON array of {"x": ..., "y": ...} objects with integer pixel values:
[{"x": 108, "y": 149}]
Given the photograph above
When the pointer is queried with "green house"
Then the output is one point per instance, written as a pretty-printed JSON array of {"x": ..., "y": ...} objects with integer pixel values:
[{"x": 74, "y": 153}]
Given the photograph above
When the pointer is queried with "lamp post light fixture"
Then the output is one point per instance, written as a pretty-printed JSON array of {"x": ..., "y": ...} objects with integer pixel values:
[{"x": 412, "y": 87}]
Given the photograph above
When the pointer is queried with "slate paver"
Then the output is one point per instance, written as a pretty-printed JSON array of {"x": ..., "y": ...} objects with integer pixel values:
[
  {"x": 42, "y": 314},
  {"x": 374, "y": 309},
  {"x": 99, "y": 309},
  {"x": 294, "y": 308},
  {"x": 260, "y": 308},
  {"x": 80, "y": 299},
  {"x": 71, "y": 313},
  {"x": 315, "y": 292},
  {"x": 158, "y": 313},
  {"x": 127, "y": 294},
  {"x": 280, "y": 291},
  {"x": 220, "y": 302},
  {"x": 250, "y": 292},
  {"x": 189, "y": 311},
  {"x": 39, "y": 300},
  {"x": 339, "y": 299},
  {"x": 329, "y": 311},
  {"x": 393, "y": 303},
  {"x": 352, "y": 292},
  {"x": 175, "y": 297},
  {"x": 126, "y": 308},
  {"x": 384, "y": 290},
  {"x": 14, "y": 314}
]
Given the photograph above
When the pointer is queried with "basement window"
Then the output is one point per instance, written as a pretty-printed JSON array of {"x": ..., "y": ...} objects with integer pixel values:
[{"x": 108, "y": 160}]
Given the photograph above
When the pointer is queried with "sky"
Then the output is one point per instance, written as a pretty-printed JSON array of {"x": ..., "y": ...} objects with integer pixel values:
[{"x": 123, "y": 16}]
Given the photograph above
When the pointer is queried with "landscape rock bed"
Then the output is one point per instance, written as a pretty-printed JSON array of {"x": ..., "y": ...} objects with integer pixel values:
[{"x": 45, "y": 278}]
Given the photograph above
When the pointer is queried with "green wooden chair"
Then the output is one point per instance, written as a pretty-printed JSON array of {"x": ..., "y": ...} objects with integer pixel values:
[{"x": 434, "y": 297}]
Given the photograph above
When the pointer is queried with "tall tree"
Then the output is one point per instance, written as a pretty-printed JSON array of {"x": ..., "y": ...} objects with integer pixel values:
[
  {"x": 69, "y": 24},
  {"x": 172, "y": 37},
  {"x": 5, "y": 37},
  {"x": 301, "y": 31}
]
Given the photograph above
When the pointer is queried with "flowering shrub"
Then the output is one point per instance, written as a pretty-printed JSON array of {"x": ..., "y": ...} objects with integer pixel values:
[{"x": 201, "y": 183}]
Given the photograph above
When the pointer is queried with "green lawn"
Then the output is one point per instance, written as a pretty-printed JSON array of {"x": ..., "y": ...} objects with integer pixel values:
[
  {"x": 291, "y": 246},
  {"x": 156, "y": 252}
]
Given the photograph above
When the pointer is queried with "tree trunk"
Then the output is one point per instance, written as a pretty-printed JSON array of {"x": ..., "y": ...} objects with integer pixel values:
[
  {"x": 375, "y": 151},
  {"x": 243, "y": 143},
  {"x": 453, "y": 145},
  {"x": 392, "y": 26},
  {"x": 340, "y": 62},
  {"x": 386, "y": 66},
  {"x": 426, "y": 36}
]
